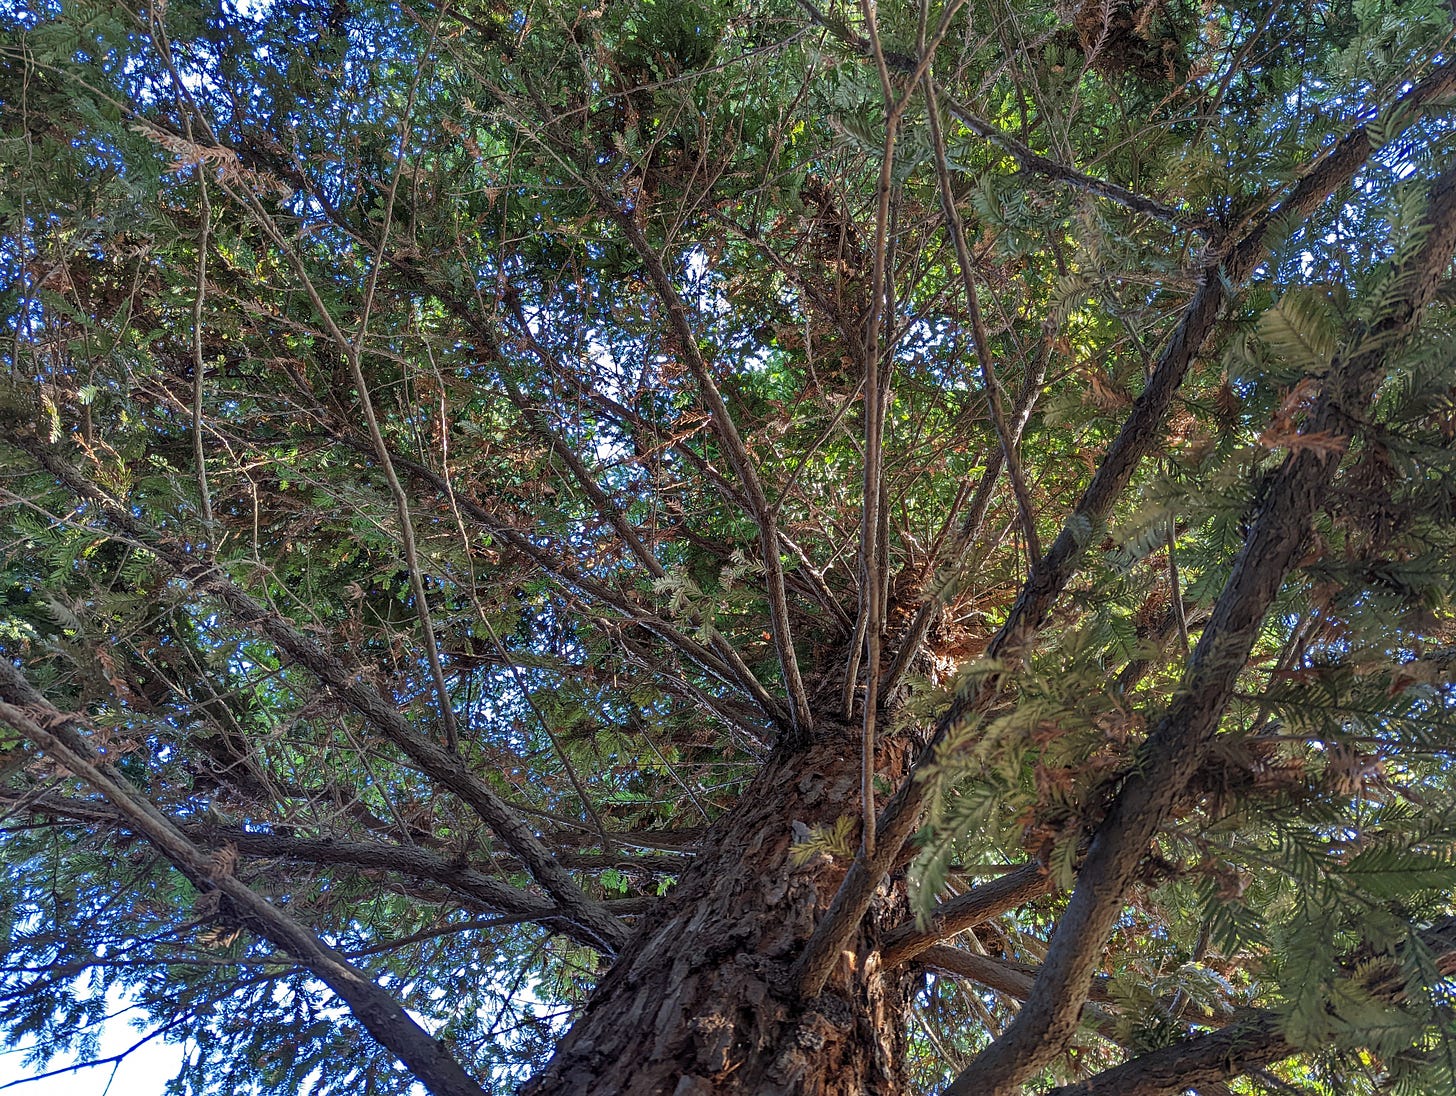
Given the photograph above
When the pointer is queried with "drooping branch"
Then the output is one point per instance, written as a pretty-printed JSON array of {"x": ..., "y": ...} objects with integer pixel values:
[
  {"x": 1139, "y": 435},
  {"x": 407, "y": 862},
  {"x": 1176, "y": 746},
  {"x": 444, "y": 766},
  {"x": 382, "y": 1016}
]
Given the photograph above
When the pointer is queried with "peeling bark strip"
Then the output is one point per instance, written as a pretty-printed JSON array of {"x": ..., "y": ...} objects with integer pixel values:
[
  {"x": 1177, "y": 744},
  {"x": 700, "y": 1001}
]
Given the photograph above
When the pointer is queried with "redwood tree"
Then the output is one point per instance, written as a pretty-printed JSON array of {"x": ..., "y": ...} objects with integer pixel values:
[{"x": 690, "y": 546}]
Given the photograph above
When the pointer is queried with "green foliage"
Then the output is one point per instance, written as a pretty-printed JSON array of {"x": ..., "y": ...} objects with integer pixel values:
[{"x": 452, "y": 199}]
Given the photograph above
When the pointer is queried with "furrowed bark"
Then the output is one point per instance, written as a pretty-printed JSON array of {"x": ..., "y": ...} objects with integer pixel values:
[{"x": 699, "y": 1003}]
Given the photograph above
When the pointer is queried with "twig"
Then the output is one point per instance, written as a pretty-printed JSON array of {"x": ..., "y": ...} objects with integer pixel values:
[{"x": 978, "y": 332}]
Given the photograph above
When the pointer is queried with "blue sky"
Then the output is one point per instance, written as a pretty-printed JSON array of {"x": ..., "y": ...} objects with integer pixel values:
[{"x": 142, "y": 1073}]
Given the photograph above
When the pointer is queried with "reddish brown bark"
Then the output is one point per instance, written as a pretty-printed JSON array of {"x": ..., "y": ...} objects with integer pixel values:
[{"x": 700, "y": 1000}]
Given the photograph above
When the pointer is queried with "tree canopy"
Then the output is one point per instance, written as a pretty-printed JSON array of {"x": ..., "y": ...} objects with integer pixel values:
[{"x": 757, "y": 546}]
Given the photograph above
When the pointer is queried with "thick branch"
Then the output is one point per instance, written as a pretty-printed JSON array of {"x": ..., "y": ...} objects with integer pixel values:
[
  {"x": 423, "y": 1054},
  {"x": 977, "y": 906},
  {"x": 1008, "y": 978},
  {"x": 1138, "y": 437},
  {"x": 1242, "y": 1046},
  {"x": 1177, "y": 743}
]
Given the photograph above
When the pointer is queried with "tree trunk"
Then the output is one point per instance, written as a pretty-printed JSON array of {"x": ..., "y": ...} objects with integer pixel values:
[{"x": 700, "y": 1001}]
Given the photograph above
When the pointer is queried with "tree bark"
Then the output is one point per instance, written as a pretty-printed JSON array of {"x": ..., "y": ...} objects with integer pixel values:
[{"x": 700, "y": 1000}]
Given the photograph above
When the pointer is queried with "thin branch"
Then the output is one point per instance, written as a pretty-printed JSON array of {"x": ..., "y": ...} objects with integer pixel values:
[
  {"x": 873, "y": 575},
  {"x": 351, "y": 351},
  {"x": 561, "y": 754},
  {"x": 869, "y": 624},
  {"x": 742, "y": 463},
  {"x": 947, "y": 584},
  {"x": 729, "y": 668},
  {"x": 994, "y": 394},
  {"x": 199, "y": 366},
  {"x": 1028, "y": 159},
  {"x": 1048, "y": 168},
  {"x": 608, "y": 511}
]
